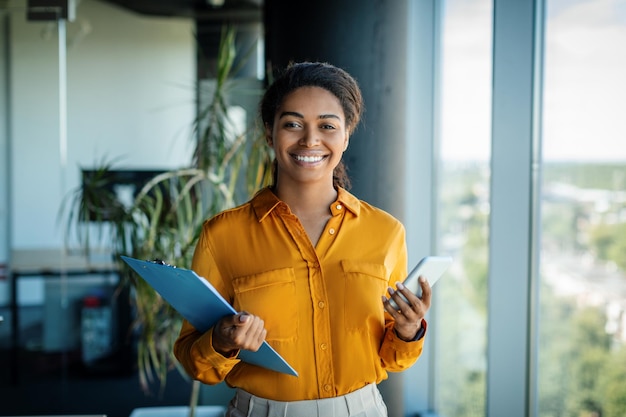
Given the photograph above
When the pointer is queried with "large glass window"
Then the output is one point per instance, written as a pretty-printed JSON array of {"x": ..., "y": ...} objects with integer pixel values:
[
  {"x": 582, "y": 315},
  {"x": 463, "y": 215}
]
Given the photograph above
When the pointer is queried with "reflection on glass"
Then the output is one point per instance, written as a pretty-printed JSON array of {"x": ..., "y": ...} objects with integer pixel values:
[
  {"x": 463, "y": 220},
  {"x": 582, "y": 316}
]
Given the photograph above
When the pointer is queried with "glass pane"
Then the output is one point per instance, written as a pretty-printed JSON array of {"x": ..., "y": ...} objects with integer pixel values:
[
  {"x": 463, "y": 215},
  {"x": 582, "y": 315}
]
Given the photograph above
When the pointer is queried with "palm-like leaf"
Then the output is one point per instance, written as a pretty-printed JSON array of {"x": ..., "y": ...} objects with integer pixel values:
[{"x": 166, "y": 217}]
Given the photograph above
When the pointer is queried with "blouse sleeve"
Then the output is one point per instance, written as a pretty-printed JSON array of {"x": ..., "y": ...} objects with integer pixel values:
[
  {"x": 396, "y": 354},
  {"x": 193, "y": 349}
]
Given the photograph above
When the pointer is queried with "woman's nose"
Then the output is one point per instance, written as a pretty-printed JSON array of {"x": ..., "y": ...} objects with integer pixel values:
[{"x": 309, "y": 138}]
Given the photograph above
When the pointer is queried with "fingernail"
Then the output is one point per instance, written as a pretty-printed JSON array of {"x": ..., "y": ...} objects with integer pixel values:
[
  {"x": 399, "y": 285},
  {"x": 391, "y": 291}
]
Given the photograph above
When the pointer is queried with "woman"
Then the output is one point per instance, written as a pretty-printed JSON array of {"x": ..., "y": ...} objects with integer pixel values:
[{"x": 308, "y": 267}]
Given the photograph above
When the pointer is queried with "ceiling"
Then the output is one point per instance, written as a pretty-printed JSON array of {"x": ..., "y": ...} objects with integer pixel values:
[
  {"x": 219, "y": 10},
  {"x": 232, "y": 11}
]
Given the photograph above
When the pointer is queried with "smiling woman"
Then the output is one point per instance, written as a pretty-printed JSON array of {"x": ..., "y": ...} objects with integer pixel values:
[
  {"x": 312, "y": 275},
  {"x": 346, "y": 93},
  {"x": 308, "y": 143}
]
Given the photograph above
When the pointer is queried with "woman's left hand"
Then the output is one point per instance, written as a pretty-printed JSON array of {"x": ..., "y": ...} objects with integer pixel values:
[{"x": 409, "y": 315}]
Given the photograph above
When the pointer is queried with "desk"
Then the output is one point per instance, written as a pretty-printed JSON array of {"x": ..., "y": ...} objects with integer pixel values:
[{"x": 48, "y": 263}]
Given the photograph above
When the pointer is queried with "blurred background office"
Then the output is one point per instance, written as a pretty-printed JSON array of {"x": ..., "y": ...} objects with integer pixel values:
[{"x": 494, "y": 130}]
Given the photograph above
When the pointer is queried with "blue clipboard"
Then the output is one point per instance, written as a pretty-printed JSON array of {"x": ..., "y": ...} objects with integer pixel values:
[{"x": 200, "y": 303}]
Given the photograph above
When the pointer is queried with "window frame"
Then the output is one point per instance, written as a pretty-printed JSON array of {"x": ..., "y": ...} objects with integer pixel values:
[{"x": 514, "y": 216}]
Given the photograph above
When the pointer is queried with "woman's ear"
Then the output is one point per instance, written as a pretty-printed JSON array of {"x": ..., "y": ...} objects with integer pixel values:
[
  {"x": 346, "y": 143},
  {"x": 268, "y": 135}
]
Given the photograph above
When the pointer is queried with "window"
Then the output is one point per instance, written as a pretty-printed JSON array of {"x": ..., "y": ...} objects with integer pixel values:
[
  {"x": 463, "y": 217},
  {"x": 582, "y": 313}
]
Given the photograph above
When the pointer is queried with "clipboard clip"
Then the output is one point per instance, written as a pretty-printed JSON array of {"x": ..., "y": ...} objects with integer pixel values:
[{"x": 161, "y": 262}]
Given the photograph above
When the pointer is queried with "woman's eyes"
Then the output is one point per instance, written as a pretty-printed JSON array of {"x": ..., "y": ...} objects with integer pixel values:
[{"x": 296, "y": 125}]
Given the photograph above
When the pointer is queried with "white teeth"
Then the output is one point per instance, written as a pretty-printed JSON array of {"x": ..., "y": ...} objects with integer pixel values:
[{"x": 305, "y": 158}]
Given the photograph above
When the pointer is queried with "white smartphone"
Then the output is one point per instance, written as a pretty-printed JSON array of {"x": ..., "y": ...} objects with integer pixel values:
[{"x": 431, "y": 268}]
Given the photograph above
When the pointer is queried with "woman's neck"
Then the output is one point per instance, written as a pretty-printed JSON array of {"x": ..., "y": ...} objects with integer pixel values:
[
  {"x": 309, "y": 200},
  {"x": 311, "y": 204}
]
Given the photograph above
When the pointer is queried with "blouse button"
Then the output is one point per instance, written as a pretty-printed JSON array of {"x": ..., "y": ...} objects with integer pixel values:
[
  {"x": 323, "y": 346},
  {"x": 327, "y": 387},
  {"x": 321, "y": 304},
  {"x": 331, "y": 231},
  {"x": 338, "y": 207}
]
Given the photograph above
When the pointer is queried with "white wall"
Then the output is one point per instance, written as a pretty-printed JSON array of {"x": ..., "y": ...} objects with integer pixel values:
[
  {"x": 130, "y": 94},
  {"x": 130, "y": 97}
]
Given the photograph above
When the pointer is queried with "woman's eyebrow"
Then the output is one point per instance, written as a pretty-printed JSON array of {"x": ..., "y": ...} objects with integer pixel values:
[
  {"x": 299, "y": 115},
  {"x": 329, "y": 116},
  {"x": 291, "y": 113}
]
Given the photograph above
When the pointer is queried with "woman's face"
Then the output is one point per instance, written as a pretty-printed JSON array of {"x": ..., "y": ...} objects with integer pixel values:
[{"x": 309, "y": 136}]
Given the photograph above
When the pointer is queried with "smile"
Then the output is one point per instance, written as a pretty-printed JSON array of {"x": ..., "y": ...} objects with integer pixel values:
[{"x": 309, "y": 159}]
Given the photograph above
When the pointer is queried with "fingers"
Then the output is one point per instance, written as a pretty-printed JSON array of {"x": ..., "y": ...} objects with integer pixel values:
[
  {"x": 400, "y": 302},
  {"x": 251, "y": 332},
  {"x": 409, "y": 310},
  {"x": 399, "y": 309},
  {"x": 403, "y": 305},
  {"x": 238, "y": 331},
  {"x": 427, "y": 291}
]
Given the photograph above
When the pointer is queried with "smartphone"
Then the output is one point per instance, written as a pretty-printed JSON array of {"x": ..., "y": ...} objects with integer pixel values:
[{"x": 431, "y": 268}]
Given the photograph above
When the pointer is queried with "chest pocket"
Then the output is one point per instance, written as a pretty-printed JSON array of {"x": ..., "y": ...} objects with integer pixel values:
[
  {"x": 270, "y": 295},
  {"x": 365, "y": 284}
]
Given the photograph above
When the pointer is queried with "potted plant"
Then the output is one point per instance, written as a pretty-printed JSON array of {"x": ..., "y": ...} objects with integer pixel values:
[{"x": 166, "y": 216}]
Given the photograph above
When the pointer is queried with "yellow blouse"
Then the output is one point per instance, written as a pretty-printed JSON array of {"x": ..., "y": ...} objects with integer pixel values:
[{"x": 321, "y": 305}]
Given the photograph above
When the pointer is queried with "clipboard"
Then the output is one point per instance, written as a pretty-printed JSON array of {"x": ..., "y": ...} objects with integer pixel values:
[{"x": 200, "y": 304}]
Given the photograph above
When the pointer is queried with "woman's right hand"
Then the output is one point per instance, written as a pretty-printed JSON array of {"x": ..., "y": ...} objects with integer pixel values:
[{"x": 239, "y": 331}]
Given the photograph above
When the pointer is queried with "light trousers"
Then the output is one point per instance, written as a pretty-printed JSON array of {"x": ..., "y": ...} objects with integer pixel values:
[{"x": 365, "y": 402}]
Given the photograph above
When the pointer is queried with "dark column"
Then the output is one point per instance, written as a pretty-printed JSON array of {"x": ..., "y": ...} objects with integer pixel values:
[{"x": 368, "y": 39}]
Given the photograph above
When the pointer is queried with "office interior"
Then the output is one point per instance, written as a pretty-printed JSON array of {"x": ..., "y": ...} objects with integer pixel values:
[{"x": 493, "y": 130}]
